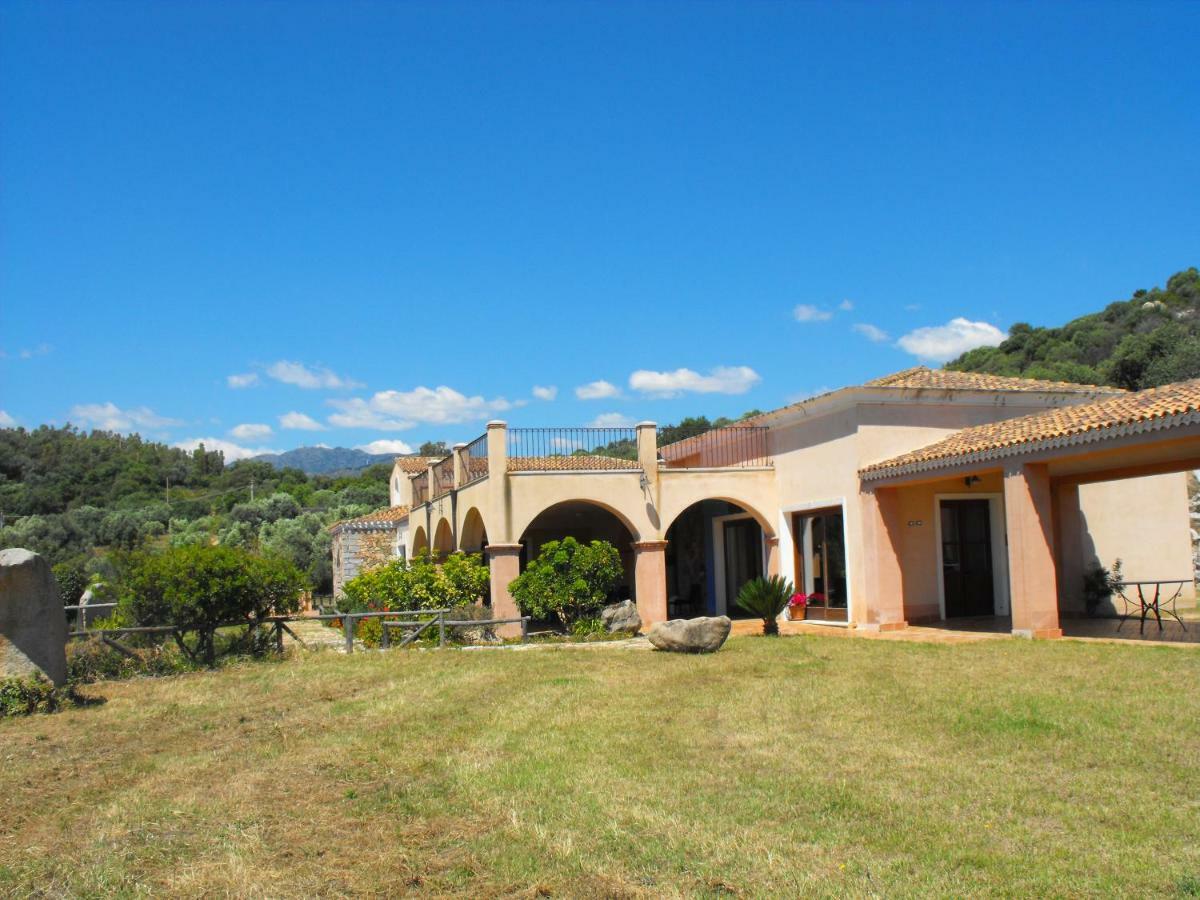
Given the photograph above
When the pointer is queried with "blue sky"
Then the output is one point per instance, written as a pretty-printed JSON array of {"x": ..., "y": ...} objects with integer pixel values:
[{"x": 281, "y": 224}]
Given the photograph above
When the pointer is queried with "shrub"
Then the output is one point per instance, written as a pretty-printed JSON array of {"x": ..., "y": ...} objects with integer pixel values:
[
  {"x": 93, "y": 660},
  {"x": 766, "y": 598},
  {"x": 589, "y": 627},
  {"x": 568, "y": 580},
  {"x": 201, "y": 588},
  {"x": 419, "y": 583},
  {"x": 1099, "y": 584},
  {"x": 72, "y": 579},
  {"x": 24, "y": 696}
]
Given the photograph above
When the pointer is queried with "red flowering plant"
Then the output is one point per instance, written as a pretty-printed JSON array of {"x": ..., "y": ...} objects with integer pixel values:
[{"x": 800, "y": 600}]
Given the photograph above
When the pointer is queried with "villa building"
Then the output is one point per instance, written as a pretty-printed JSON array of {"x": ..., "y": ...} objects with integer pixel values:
[{"x": 921, "y": 496}]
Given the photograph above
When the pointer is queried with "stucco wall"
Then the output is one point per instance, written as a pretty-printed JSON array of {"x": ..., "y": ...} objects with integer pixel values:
[{"x": 1144, "y": 522}]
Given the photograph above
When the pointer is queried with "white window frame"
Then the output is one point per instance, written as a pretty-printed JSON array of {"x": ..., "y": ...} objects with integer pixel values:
[
  {"x": 1001, "y": 603},
  {"x": 787, "y": 549},
  {"x": 718, "y": 526}
]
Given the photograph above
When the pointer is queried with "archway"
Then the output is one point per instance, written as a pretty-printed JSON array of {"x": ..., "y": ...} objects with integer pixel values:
[
  {"x": 443, "y": 539},
  {"x": 714, "y": 547},
  {"x": 473, "y": 538},
  {"x": 420, "y": 541},
  {"x": 585, "y": 521}
]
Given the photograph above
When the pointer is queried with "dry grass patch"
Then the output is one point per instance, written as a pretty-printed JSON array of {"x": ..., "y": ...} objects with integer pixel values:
[{"x": 801, "y": 765}]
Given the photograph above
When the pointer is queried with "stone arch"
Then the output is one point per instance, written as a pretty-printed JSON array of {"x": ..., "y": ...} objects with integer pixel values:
[
  {"x": 584, "y": 520},
  {"x": 473, "y": 534},
  {"x": 420, "y": 541},
  {"x": 635, "y": 535},
  {"x": 443, "y": 538},
  {"x": 762, "y": 520}
]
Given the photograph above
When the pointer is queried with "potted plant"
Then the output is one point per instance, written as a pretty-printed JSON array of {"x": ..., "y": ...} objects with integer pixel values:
[{"x": 796, "y": 606}]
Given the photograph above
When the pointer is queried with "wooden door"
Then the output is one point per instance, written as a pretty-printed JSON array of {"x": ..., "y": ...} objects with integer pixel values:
[{"x": 967, "y": 558}]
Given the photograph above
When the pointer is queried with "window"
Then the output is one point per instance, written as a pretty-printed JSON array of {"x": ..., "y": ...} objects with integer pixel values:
[{"x": 821, "y": 563}]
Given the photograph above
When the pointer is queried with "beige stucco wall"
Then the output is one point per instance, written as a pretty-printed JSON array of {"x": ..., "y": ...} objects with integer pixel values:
[{"x": 1144, "y": 522}]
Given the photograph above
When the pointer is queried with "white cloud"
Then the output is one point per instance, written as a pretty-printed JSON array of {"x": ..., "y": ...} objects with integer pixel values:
[
  {"x": 110, "y": 417},
  {"x": 397, "y": 410},
  {"x": 39, "y": 350},
  {"x": 870, "y": 332},
  {"x": 943, "y": 342},
  {"x": 612, "y": 420},
  {"x": 244, "y": 380},
  {"x": 545, "y": 393},
  {"x": 298, "y": 421},
  {"x": 806, "y": 312},
  {"x": 597, "y": 390},
  {"x": 7, "y": 421},
  {"x": 721, "y": 380},
  {"x": 251, "y": 431},
  {"x": 846, "y": 305},
  {"x": 309, "y": 377},
  {"x": 385, "y": 446},
  {"x": 232, "y": 451}
]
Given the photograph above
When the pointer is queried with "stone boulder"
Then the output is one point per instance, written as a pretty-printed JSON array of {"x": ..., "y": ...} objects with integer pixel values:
[
  {"x": 703, "y": 635},
  {"x": 33, "y": 626},
  {"x": 621, "y": 617}
]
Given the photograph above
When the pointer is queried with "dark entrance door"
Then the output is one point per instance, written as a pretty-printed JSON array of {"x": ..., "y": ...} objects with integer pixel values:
[
  {"x": 967, "y": 558},
  {"x": 743, "y": 561}
]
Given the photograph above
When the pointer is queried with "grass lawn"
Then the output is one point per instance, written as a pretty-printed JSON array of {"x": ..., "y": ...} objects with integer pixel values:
[{"x": 800, "y": 765}]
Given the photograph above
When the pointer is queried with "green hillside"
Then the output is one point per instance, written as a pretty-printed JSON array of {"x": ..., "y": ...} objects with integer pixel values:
[{"x": 1150, "y": 339}]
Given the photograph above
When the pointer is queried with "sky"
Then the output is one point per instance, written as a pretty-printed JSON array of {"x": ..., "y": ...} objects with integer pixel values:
[{"x": 267, "y": 225}]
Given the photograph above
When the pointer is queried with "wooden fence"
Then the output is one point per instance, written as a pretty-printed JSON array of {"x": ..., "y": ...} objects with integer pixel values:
[{"x": 418, "y": 621}]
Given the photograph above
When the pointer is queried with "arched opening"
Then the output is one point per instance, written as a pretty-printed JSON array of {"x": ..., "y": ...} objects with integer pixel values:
[
  {"x": 713, "y": 548},
  {"x": 474, "y": 534},
  {"x": 420, "y": 542},
  {"x": 585, "y": 521},
  {"x": 443, "y": 539}
]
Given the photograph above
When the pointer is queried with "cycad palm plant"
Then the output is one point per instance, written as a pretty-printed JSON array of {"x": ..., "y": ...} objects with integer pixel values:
[{"x": 768, "y": 598}]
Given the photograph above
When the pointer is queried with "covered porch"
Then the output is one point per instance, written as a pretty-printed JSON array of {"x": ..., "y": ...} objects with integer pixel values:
[{"x": 997, "y": 525}]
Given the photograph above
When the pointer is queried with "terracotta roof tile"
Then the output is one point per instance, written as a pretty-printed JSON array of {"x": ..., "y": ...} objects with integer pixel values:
[
  {"x": 414, "y": 464},
  {"x": 389, "y": 515},
  {"x": 943, "y": 379},
  {"x": 574, "y": 463},
  {"x": 1023, "y": 433}
]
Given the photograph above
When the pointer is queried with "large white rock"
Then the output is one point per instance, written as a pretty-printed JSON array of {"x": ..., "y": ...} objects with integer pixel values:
[
  {"x": 33, "y": 626},
  {"x": 702, "y": 635}
]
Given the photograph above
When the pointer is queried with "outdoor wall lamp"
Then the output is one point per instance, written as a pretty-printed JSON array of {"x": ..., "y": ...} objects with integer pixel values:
[{"x": 970, "y": 480}]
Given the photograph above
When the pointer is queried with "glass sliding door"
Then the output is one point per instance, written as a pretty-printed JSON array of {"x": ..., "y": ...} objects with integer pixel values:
[{"x": 821, "y": 563}]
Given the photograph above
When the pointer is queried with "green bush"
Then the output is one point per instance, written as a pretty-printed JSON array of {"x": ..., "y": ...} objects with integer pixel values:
[
  {"x": 1099, "y": 584},
  {"x": 93, "y": 660},
  {"x": 766, "y": 598},
  {"x": 588, "y": 627},
  {"x": 25, "y": 696},
  {"x": 419, "y": 583},
  {"x": 568, "y": 580},
  {"x": 72, "y": 579},
  {"x": 201, "y": 588}
]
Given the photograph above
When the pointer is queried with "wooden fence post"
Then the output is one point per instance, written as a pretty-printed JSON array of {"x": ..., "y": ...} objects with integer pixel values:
[{"x": 348, "y": 627}]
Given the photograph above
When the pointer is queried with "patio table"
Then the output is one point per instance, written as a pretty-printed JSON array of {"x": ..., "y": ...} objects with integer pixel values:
[{"x": 1157, "y": 604}]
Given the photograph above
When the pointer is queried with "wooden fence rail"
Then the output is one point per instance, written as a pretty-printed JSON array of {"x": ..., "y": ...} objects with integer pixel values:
[{"x": 419, "y": 620}]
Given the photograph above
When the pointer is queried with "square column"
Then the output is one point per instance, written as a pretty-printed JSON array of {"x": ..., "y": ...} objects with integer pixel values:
[
  {"x": 650, "y": 580},
  {"x": 772, "y": 542},
  {"x": 504, "y": 565},
  {"x": 884, "y": 577},
  {"x": 1029, "y": 523}
]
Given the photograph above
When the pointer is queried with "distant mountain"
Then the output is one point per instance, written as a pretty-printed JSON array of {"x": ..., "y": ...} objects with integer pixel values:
[{"x": 324, "y": 460}]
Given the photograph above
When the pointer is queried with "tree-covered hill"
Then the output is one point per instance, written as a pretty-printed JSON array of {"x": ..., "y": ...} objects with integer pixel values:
[
  {"x": 78, "y": 498},
  {"x": 1151, "y": 339}
]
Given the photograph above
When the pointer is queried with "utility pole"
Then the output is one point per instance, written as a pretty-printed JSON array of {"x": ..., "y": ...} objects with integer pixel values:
[
  {"x": 251, "y": 490},
  {"x": 168, "y": 492}
]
